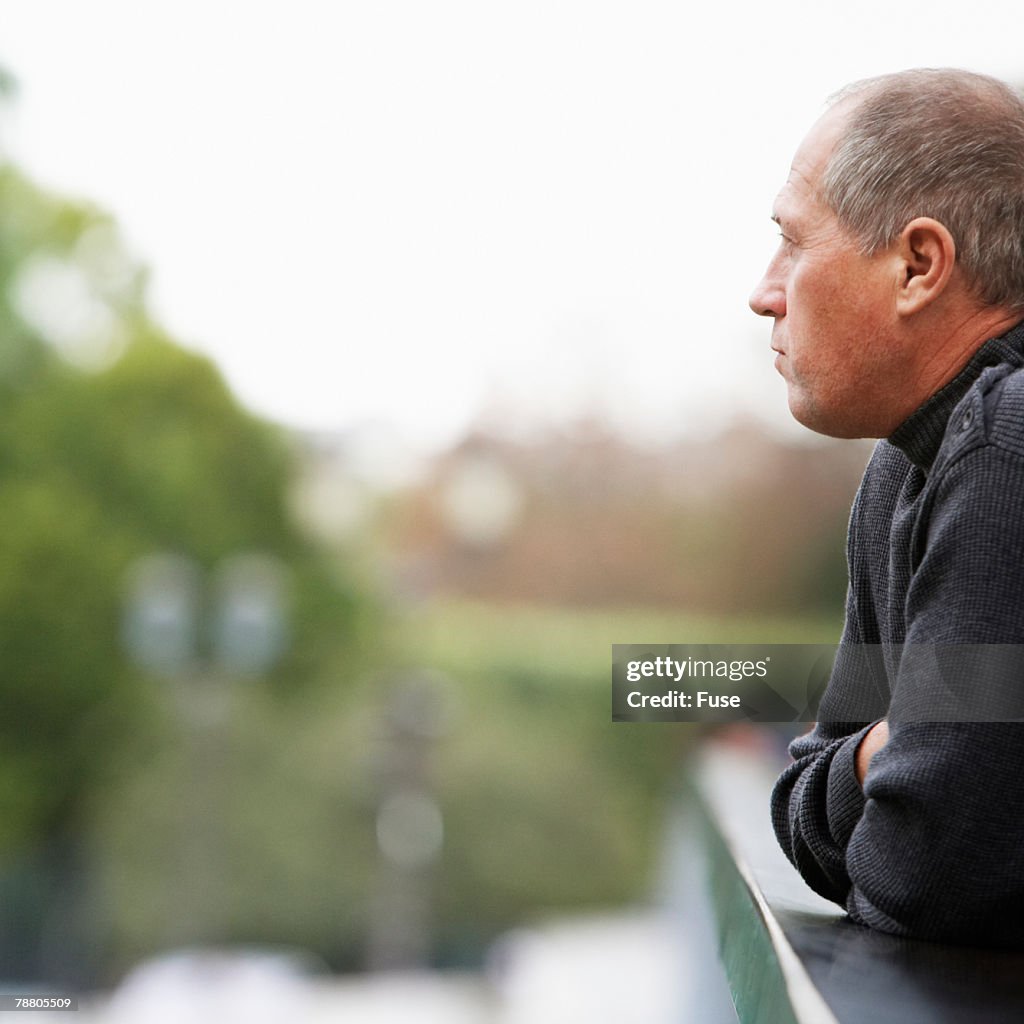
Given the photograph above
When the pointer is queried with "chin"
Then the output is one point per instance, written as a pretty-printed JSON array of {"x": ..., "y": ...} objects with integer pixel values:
[{"x": 828, "y": 422}]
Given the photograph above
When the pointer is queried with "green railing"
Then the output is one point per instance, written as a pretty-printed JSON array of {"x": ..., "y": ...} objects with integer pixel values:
[{"x": 790, "y": 957}]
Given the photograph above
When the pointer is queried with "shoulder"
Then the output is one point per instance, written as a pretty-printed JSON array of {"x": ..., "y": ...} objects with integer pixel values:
[
  {"x": 1002, "y": 402},
  {"x": 990, "y": 416},
  {"x": 975, "y": 488}
]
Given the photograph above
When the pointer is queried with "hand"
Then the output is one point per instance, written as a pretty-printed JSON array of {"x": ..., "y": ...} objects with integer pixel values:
[{"x": 876, "y": 738}]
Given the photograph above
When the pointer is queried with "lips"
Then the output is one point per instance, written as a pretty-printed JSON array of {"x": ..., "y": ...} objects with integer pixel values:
[{"x": 776, "y": 337}]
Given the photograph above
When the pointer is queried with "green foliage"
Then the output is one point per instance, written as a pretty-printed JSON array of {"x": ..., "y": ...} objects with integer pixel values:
[
  {"x": 286, "y": 845},
  {"x": 149, "y": 452},
  {"x": 59, "y": 609},
  {"x": 549, "y": 805}
]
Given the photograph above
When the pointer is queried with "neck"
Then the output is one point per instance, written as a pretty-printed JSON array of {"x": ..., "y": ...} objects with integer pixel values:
[{"x": 943, "y": 349}]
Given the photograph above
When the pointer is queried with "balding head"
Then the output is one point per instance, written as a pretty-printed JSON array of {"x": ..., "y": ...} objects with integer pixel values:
[{"x": 945, "y": 144}]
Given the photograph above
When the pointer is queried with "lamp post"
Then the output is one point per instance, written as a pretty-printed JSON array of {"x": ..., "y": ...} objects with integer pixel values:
[
  {"x": 409, "y": 824},
  {"x": 199, "y": 634}
]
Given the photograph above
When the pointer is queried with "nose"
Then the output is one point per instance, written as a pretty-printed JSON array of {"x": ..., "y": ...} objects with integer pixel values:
[{"x": 769, "y": 297}]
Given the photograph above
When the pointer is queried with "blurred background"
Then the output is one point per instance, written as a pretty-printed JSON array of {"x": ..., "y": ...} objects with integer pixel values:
[{"x": 366, "y": 371}]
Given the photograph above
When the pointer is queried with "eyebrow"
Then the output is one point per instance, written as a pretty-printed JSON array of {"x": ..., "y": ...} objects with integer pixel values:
[{"x": 786, "y": 226}]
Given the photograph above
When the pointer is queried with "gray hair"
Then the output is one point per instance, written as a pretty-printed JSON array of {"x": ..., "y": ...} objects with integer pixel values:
[{"x": 937, "y": 143}]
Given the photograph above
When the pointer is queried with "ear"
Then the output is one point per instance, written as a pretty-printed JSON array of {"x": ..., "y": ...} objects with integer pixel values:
[{"x": 927, "y": 255}]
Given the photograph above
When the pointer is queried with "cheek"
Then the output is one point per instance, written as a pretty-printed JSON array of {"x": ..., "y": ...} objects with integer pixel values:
[
  {"x": 809, "y": 315},
  {"x": 827, "y": 310},
  {"x": 818, "y": 290}
]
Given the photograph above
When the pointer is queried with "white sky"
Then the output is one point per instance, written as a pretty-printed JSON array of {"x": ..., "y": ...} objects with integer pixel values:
[{"x": 430, "y": 214}]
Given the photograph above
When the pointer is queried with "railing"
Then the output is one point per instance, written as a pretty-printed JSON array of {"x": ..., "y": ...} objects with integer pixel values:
[{"x": 791, "y": 957}]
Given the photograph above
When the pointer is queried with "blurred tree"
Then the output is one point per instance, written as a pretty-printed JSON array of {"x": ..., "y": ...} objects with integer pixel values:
[
  {"x": 114, "y": 442},
  {"x": 741, "y": 523}
]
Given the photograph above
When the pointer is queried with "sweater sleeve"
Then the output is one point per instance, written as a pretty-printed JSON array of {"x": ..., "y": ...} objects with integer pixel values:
[{"x": 816, "y": 805}]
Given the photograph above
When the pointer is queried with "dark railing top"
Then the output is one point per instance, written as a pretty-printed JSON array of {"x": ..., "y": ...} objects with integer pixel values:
[{"x": 791, "y": 956}]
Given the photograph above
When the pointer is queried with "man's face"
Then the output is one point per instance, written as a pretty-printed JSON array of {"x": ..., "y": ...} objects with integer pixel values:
[{"x": 831, "y": 305}]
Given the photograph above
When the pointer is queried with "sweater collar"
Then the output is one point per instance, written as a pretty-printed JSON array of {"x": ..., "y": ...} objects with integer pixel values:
[{"x": 920, "y": 434}]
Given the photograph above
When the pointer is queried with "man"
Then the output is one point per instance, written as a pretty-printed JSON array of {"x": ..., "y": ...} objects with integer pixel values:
[{"x": 897, "y": 295}]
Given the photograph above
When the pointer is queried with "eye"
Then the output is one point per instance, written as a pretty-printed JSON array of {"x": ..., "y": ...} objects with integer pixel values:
[{"x": 786, "y": 243}]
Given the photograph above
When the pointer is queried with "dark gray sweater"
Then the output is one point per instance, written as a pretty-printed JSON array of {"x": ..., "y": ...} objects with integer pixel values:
[{"x": 933, "y": 847}]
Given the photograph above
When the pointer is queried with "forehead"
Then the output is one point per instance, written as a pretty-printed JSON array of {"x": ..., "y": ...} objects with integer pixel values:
[{"x": 800, "y": 193}]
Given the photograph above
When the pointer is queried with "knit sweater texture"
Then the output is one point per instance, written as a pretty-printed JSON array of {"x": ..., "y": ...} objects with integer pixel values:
[{"x": 932, "y": 847}]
